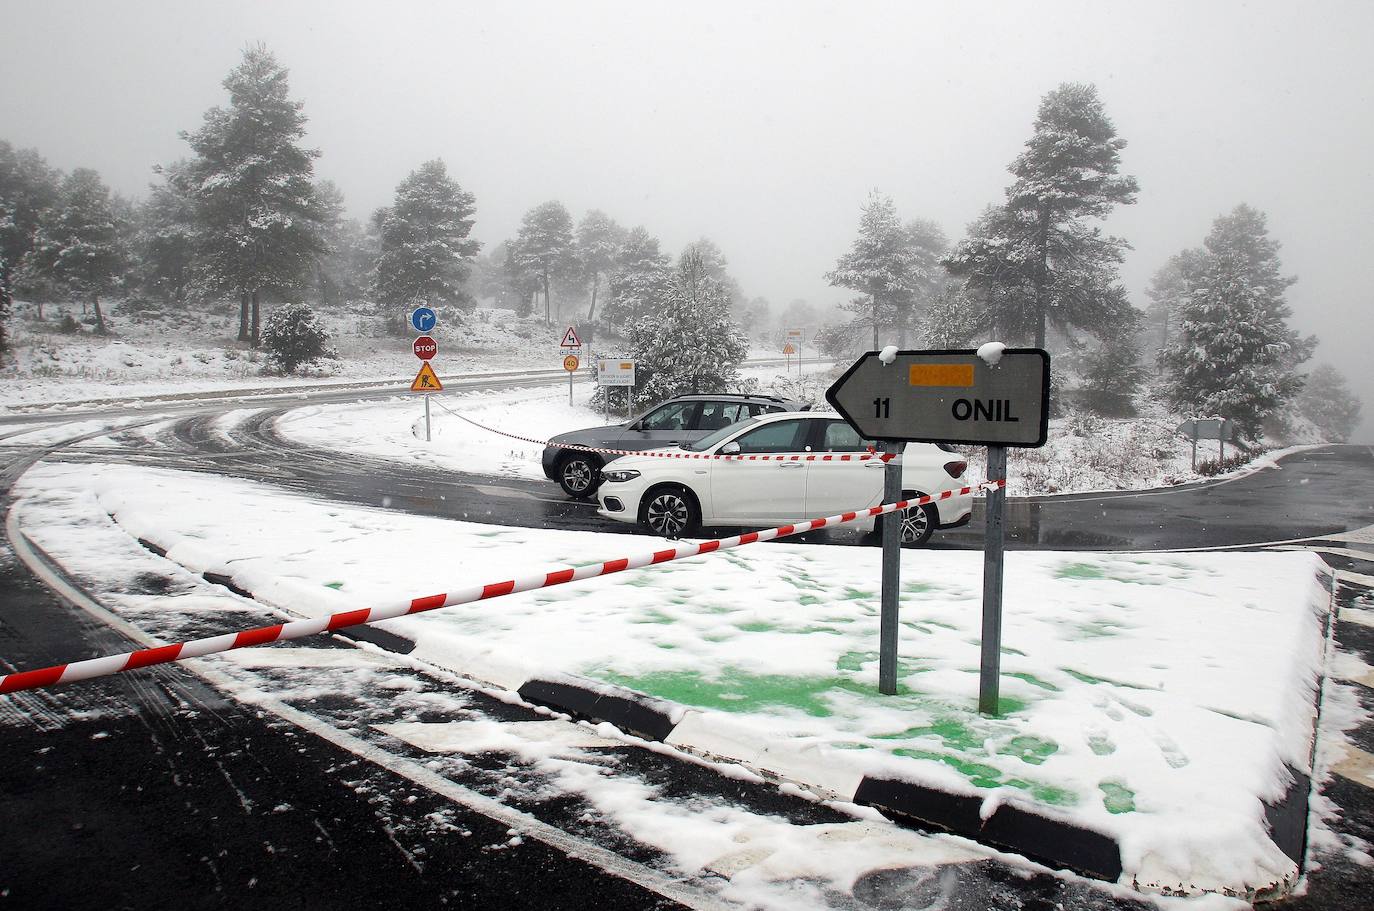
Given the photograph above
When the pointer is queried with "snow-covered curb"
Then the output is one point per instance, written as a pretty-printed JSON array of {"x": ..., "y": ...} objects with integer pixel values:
[{"x": 1129, "y": 678}]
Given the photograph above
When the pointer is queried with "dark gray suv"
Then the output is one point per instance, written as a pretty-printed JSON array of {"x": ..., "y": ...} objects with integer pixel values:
[{"x": 679, "y": 420}]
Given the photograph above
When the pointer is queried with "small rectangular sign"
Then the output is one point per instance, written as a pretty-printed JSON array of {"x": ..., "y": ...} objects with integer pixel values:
[
  {"x": 948, "y": 397},
  {"x": 615, "y": 373},
  {"x": 941, "y": 375}
]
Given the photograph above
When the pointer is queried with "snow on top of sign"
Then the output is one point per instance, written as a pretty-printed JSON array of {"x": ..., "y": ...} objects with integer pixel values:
[
  {"x": 888, "y": 354},
  {"x": 991, "y": 352}
]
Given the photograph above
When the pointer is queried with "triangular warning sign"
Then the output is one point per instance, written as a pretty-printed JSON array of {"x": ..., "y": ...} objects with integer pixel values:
[
  {"x": 788, "y": 349},
  {"x": 426, "y": 380},
  {"x": 570, "y": 339}
]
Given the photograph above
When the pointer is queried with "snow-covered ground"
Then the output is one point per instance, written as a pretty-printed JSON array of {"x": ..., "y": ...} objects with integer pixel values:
[{"x": 1156, "y": 699}]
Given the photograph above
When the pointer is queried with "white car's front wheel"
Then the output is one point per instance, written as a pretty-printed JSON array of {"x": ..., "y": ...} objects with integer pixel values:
[
  {"x": 918, "y": 522},
  {"x": 670, "y": 511}
]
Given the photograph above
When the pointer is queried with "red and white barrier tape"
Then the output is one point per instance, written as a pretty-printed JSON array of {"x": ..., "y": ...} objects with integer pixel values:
[
  {"x": 812, "y": 457},
  {"x": 296, "y": 629}
]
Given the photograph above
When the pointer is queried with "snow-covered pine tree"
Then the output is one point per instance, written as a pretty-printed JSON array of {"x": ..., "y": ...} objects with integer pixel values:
[
  {"x": 598, "y": 239},
  {"x": 881, "y": 265},
  {"x": 426, "y": 252},
  {"x": 543, "y": 247},
  {"x": 165, "y": 241},
  {"x": 1166, "y": 291},
  {"x": 1329, "y": 404},
  {"x": 1233, "y": 354},
  {"x": 27, "y": 187},
  {"x": 639, "y": 279},
  {"x": 688, "y": 344},
  {"x": 77, "y": 245},
  {"x": 1036, "y": 261},
  {"x": 257, "y": 215}
]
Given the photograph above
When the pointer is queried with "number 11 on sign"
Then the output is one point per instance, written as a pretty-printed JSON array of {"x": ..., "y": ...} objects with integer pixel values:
[{"x": 882, "y": 408}]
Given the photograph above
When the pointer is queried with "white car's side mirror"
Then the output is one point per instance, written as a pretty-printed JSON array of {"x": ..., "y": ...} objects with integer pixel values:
[{"x": 730, "y": 448}]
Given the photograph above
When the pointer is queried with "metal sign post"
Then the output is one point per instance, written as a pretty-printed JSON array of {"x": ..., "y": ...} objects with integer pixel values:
[
  {"x": 995, "y": 397},
  {"x": 427, "y": 435},
  {"x": 990, "y": 665},
  {"x": 892, "y": 573}
]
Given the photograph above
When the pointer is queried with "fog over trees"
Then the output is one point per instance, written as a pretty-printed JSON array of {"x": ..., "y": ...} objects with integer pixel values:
[{"x": 245, "y": 217}]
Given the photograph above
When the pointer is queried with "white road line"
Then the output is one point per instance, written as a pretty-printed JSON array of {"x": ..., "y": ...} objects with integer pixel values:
[
  {"x": 1355, "y": 615},
  {"x": 523, "y": 823}
]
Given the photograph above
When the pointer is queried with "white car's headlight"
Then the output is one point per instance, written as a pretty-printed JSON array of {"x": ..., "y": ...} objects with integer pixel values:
[{"x": 624, "y": 474}]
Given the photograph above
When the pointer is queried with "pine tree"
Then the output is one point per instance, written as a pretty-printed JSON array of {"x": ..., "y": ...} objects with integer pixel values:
[
  {"x": 638, "y": 280},
  {"x": 77, "y": 245},
  {"x": 881, "y": 265},
  {"x": 1035, "y": 261},
  {"x": 688, "y": 344},
  {"x": 1167, "y": 287},
  {"x": 543, "y": 247},
  {"x": 426, "y": 252},
  {"x": 295, "y": 337},
  {"x": 166, "y": 237},
  {"x": 1329, "y": 404},
  {"x": 27, "y": 187},
  {"x": 256, "y": 209},
  {"x": 346, "y": 271},
  {"x": 598, "y": 240},
  {"x": 1233, "y": 354}
]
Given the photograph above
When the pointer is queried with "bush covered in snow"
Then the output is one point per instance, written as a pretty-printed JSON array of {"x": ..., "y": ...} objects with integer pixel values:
[{"x": 294, "y": 337}]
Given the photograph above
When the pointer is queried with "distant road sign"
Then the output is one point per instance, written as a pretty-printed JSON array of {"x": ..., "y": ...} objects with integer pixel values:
[
  {"x": 796, "y": 335},
  {"x": 948, "y": 397},
  {"x": 426, "y": 380},
  {"x": 1206, "y": 428},
  {"x": 426, "y": 347},
  {"x": 570, "y": 339},
  {"x": 570, "y": 363},
  {"x": 788, "y": 349},
  {"x": 615, "y": 373},
  {"x": 423, "y": 319}
]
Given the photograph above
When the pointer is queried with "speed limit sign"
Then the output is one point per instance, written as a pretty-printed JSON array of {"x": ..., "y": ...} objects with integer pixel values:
[{"x": 570, "y": 363}]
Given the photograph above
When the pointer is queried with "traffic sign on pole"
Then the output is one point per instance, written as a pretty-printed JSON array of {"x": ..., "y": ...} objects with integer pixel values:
[
  {"x": 570, "y": 362},
  {"x": 948, "y": 397},
  {"x": 996, "y": 396},
  {"x": 570, "y": 339},
  {"x": 426, "y": 347},
  {"x": 423, "y": 319},
  {"x": 426, "y": 380}
]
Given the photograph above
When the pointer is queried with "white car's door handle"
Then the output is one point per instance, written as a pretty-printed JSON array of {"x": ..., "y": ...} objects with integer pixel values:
[
  {"x": 789, "y": 464},
  {"x": 875, "y": 463}
]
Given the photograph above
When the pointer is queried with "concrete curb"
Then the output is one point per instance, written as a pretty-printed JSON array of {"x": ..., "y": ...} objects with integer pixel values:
[{"x": 1030, "y": 831}]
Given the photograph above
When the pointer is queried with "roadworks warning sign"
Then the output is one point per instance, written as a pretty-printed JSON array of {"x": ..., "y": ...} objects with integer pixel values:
[{"x": 426, "y": 380}]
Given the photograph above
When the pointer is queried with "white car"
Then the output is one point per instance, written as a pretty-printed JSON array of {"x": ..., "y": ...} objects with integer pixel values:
[{"x": 673, "y": 497}]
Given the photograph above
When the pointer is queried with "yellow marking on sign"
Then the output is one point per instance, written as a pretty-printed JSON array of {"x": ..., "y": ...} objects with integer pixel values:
[
  {"x": 941, "y": 375},
  {"x": 788, "y": 349},
  {"x": 627, "y": 365},
  {"x": 426, "y": 380},
  {"x": 570, "y": 363}
]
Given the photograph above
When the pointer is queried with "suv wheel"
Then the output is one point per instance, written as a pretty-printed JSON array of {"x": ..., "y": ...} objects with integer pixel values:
[
  {"x": 670, "y": 511},
  {"x": 579, "y": 475}
]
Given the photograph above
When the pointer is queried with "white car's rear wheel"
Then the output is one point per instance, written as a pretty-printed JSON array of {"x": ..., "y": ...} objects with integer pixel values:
[
  {"x": 918, "y": 522},
  {"x": 670, "y": 511}
]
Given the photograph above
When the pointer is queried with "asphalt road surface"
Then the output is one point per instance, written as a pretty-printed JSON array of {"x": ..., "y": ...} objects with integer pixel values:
[{"x": 161, "y": 789}]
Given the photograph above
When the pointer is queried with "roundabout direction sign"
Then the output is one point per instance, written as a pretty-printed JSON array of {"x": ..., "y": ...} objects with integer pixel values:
[
  {"x": 995, "y": 397},
  {"x": 423, "y": 319}
]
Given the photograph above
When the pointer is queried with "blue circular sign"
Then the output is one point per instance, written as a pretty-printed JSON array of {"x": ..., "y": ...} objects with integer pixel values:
[{"x": 423, "y": 319}]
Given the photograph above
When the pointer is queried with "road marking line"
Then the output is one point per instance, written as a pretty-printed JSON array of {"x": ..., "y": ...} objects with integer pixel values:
[
  {"x": 1345, "y": 575},
  {"x": 1357, "y": 765},
  {"x": 477, "y": 736},
  {"x": 1334, "y": 551},
  {"x": 522, "y": 823}
]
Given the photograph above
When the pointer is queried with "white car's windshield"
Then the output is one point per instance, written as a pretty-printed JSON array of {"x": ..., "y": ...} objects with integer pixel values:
[{"x": 707, "y": 442}]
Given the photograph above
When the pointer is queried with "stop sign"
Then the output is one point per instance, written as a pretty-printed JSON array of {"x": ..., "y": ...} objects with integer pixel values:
[{"x": 426, "y": 347}]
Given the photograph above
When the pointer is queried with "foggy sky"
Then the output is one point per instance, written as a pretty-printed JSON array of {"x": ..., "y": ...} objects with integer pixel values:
[{"x": 760, "y": 125}]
